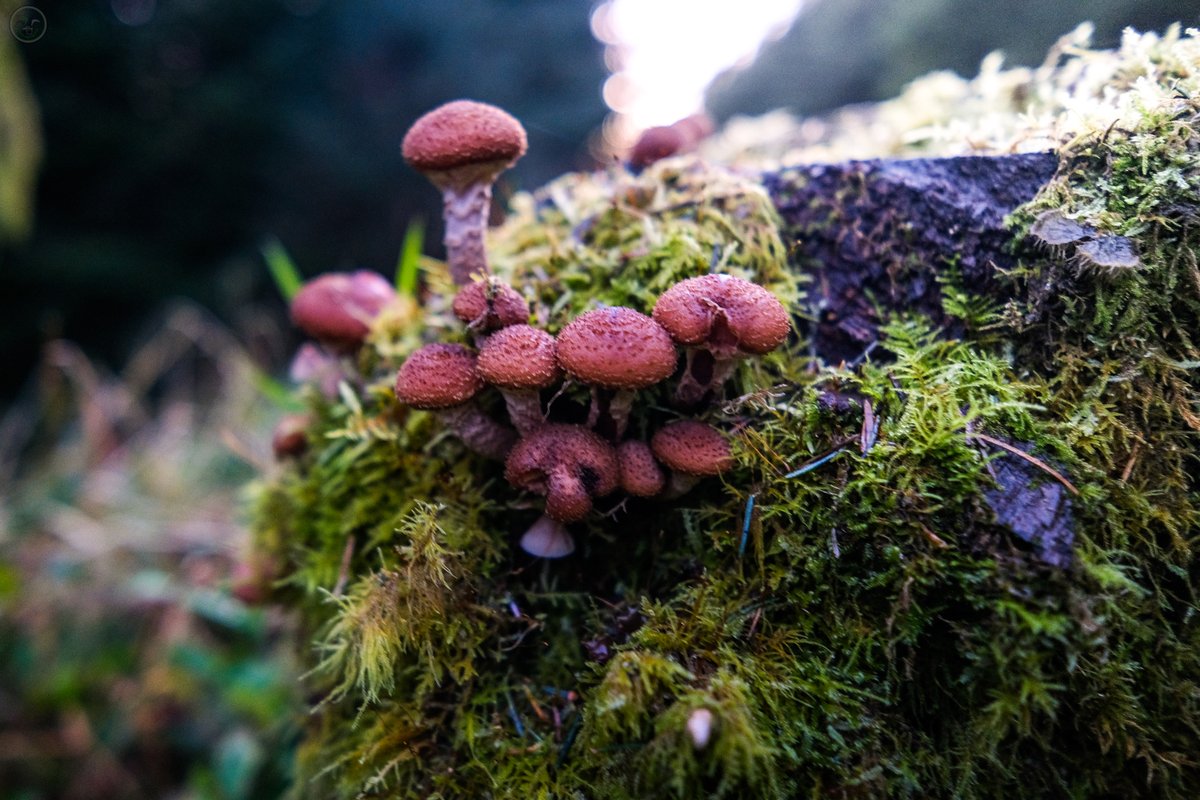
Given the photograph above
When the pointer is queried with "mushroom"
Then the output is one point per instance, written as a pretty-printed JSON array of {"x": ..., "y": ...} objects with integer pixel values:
[
  {"x": 337, "y": 308},
  {"x": 617, "y": 350},
  {"x": 681, "y": 136},
  {"x": 315, "y": 367},
  {"x": 692, "y": 450},
  {"x": 519, "y": 360},
  {"x": 290, "y": 439},
  {"x": 490, "y": 304},
  {"x": 461, "y": 147},
  {"x": 640, "y": 475},
  {"x": 569, "y": 465},
  {"x": 655, "y": 144},
  {"x": 719, "y": 318},
  {"x": 443, "y": 378}
]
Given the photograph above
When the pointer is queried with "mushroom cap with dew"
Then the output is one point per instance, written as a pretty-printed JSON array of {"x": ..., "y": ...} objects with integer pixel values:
[
  {"x": 337, "y": 308},
  {"x": 464, "y": 133},
  {"x": 727, "y": 314},
  {"x": 568, "y": 464},
  {"x": 438, "y": 376},
  {"x": 692, "y": 447},
  {"x": 640, "y": 474},
  {"x": 616, "y": 348},
  {"x": 490, "y": 304},
  {"x": 518, "y": 357}
]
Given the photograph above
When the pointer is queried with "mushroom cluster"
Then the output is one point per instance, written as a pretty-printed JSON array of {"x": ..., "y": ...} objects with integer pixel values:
[{"x": 615, "y": 352}]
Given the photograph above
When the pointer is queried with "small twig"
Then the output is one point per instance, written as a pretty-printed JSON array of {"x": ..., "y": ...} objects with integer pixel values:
[
  {"x": 344, "y": 568},
  {"x": 1133, "y": 457},
  {"x": 512, "y": 713},
  {"x": 1016, "y": 451},
  {"x": 933, "y": 538},
  {"x": 746, "y": 524},
  {"x": 569, "y": 741},
  {"x": 537, "y": 708},
  {"x": 811, "y": 465}
]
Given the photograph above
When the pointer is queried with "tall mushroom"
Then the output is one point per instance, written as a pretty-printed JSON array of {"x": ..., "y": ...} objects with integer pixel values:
[
  {"x": 461, "y": 147},
  {"x": 616, "y": 351},
  {"x": 519, "y": 360},
  {"x": 719, "y": 318},
  {"x": 692, "y": 450},
  {"x": 337, "y": 308},
  {"x": 443, "y": 378},
  {"x": 569, "y": 465}
]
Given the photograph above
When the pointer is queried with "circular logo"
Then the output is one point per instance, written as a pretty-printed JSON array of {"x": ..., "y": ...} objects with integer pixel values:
[{"x": 28, "y": 24}]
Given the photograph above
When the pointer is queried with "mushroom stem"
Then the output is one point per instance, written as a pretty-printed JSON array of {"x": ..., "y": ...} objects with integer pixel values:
[
  {"x": 478, "y": 431},
  {"x": 609, "y": 412},
  {"x": 524, "y": 409},
  {"x": 679, "y": 484},
  {"x": 548, "y": 538},
  {"x": 702, "y": 373},
  {"x": 465, "y": 208}
]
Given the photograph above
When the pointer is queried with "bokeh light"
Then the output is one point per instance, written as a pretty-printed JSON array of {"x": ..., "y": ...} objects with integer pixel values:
[{"x": 663, "y": 53}]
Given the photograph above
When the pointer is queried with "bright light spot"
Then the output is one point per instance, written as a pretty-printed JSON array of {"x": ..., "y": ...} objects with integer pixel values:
[{"x": 664, "y": 53}]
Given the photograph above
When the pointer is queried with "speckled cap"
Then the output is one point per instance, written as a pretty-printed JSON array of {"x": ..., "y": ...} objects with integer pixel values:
[
  {"x": 616, "y": 348},
  {"x": 692, "y": 447},
  {"x": 568, "y": 464},
  {"x": 490, "y": 304},
  {"x": 727, "y": 314},
  {"x": 462, "y": 133},
  {"x": 640, "y": 474},
  {"x": 519, "y": 357},
  {"x": 438, "y": 376},
  {"x": 337, "y": 308}
]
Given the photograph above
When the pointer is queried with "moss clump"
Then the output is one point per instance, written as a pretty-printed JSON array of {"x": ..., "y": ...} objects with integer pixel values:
[{"x": 859, "y": 607}]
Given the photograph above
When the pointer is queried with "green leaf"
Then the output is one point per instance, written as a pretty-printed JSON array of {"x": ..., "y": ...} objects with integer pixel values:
[
  {"x": 283, "y": 269},
  {"x": 408, "y": 265}
]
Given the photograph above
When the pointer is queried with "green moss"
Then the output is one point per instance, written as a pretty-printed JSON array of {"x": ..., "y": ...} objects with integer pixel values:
[{"x": 844, "y": 603}]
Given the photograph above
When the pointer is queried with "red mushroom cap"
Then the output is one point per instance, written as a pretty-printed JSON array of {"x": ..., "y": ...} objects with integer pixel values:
[
  {"x": 616, "y": 348},
  {"x": 438, "y": 376},
  {"x": 726, "y": 314},
  {"x": 568, "y": 464},
  {"x": 656, "y": 144},
  {"x": 519, "y": 357},
  {"x": 463, "y": 133},
  {"x": 337, "y": 308},
  {"x": 640, "y": 474},
  {"x": 692, "y": 447},
  {"x": 290, "y": 439},
  {"x": 490, "y": 304}
]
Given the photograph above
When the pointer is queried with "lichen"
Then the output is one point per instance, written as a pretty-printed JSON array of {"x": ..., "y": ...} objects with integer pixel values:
[{"x": 846, "y": 603}]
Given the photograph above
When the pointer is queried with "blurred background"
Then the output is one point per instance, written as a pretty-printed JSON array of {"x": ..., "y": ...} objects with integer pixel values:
[{"x": 149, "y": 150}]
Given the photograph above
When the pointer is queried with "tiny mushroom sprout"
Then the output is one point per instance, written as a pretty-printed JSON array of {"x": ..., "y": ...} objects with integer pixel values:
[
  {"x": 461, "y": 147},
  {"x": 619, "y": 350},
  {"x": 519, "y": 361},
  {"x": 719, "y": 318},
  {"x": 490, "y": 304},
  {"x": 337, "y": 308},
  {"x": 569, "y": 465},
  {"x": 290, "y": 438},
  {"x": 693, "y": 450},
  {"x": 640, "y": 474},
  {"x": 443, "y": 378}
]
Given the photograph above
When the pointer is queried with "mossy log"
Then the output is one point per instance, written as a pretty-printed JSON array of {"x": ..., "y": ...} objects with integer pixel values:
[
  {"x": 959, "y": 563},
  {"x": 876, "y": 235}
]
